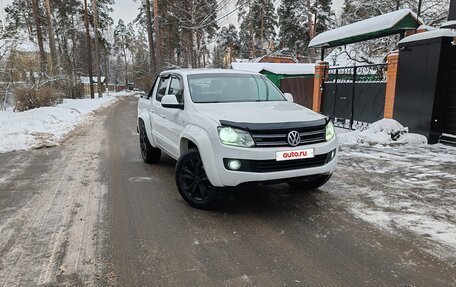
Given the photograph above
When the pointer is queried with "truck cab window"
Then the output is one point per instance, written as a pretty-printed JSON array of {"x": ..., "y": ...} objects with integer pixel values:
[
  {"x": 163, "y": 84},
  {"x": 176, "y": 88}
]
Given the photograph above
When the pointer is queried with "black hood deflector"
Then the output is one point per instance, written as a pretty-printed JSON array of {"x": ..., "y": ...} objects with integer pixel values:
[{"x": 275, "y": 126}]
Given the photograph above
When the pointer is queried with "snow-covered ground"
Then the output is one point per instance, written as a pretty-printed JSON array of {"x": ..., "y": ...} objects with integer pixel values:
[
  {"x": 48, "y": 126},
  {"x": 405, "y": 189}
]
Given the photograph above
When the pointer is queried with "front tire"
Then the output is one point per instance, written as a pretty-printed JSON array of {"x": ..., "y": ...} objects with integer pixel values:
[
  {"x": 149, "y": 153},
  {"x": 311, "y": 183},
  {"x": 193, "y": 183}
]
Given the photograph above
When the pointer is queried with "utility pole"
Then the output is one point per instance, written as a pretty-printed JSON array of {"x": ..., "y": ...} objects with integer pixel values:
[
  {"x": 157, "y": 36},
  {"x": 97, "y": 47},
  {"x": 89, "y": 49}
]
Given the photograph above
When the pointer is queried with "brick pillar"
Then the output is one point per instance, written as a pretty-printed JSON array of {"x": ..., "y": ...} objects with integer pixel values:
[
  {"x": 391, "y": 77},
  {"x": 320, "y": 70}
]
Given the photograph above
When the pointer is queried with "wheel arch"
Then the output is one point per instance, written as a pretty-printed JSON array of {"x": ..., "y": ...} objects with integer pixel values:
[
  {"x": 143, "y": 118},
  {"x": 196, "y": 137}
]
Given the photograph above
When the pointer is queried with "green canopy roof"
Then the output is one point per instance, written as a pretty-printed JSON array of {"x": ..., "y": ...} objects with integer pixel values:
[{"x": 373, "y": 28}]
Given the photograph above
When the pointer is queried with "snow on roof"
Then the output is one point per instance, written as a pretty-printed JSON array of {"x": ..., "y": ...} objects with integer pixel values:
[
  {"x": 274, "y": 55},
  {"x": 242, "y": 60},
  {"x": 426, "y": 27},
  {"x": 429, "y": 35},
  {"x": 368, "y": 26},
  {"x": 23, "y": 43},
  {"x": 86, "y": 80},
  {"x": 449, "y": 24},
  {"x": 276, "y": 68}
]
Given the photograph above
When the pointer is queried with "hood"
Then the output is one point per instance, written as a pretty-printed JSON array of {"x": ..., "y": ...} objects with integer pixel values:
[{"x": 258, "y": 112}]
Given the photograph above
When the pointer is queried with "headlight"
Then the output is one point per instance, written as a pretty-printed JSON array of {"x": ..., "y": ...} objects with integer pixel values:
[
  {"x": 236, "y": 137},
  {"x": 330, "y": 133}
]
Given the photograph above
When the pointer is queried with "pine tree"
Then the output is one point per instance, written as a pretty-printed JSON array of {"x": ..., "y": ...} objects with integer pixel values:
[
  {"x": 258, "y": 22},
  {"x": 293, "y": 23},
  {"x": 123, "y": 37},
  {"x": 227, "y": 45},
  {"x": 50, "y": 29},
  {"x": 150, "y": 36},
  {"x": 39, "y": 35},
  {"x": 324, "y": 16},
  {"x": 89, "y": 48}
]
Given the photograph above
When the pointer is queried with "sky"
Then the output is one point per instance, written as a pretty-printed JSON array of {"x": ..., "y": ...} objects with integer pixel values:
[{"x": 128, "y": 9}]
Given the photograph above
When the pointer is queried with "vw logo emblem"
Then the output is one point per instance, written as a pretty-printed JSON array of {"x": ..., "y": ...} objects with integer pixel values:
[{"x": 294, "y": 138}]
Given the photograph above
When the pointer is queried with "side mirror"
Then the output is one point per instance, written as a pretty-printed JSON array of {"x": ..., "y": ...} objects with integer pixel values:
[
  {"x": 289, "y": 97},
  {"x": 170, "y": 101}
]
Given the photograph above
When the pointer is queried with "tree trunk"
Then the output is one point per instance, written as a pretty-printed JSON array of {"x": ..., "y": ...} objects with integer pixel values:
[
  {"x": 150, "y": 37},
  {"x": 89, "y": 49},
  {"x": 126, "y": 69},
  {"x": 252, "y": 42},
  {"x": 106, "y": 69},
  {"x": 198, "y": 47},
  {"x": 262, "y": 27},
  {"x": 52, "y": 45},
  {"x": 157, "y": 36},
  {"x": 192, "y": 52},
  {"x": 39, "y": 35},
  {"x": 73, "y": 51},
  {"x": 97, "y": 47}
]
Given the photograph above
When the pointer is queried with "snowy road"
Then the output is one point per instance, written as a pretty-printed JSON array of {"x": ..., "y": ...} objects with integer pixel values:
[
  {"x": 90, "y": 212},
  {"x": 51, "y": 211}
]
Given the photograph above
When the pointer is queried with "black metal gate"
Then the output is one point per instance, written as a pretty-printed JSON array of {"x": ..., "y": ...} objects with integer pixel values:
[
  {"x": 449, "y": 118},
  {"x": 354, "y": 97}
]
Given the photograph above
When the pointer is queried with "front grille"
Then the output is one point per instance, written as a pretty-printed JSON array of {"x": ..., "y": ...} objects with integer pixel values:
[
  {"x": 273, "y": 165},
  {"x": 278, "y": 138}
]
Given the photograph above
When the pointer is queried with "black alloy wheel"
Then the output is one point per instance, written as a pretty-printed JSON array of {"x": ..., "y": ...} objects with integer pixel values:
[
  {"x": 149, "y": 153},
  {"x": 193, "y": 183}
]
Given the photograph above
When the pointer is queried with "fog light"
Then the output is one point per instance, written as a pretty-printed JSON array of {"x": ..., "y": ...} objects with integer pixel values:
[
  {"x": 331, "y": 156},
  {"x": 234, "y": 164}
]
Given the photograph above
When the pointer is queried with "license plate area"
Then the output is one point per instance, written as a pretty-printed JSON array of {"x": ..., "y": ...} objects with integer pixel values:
[{"x": 295, "y": 154}]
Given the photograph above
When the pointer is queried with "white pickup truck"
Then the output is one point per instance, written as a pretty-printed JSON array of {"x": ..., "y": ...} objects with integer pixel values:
[{"x": 227, "y": 127}]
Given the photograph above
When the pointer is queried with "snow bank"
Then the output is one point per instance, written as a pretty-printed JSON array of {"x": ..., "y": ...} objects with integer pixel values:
[
  {"x": 383, "y": 132},
  {"x": 48, "y": 126}
]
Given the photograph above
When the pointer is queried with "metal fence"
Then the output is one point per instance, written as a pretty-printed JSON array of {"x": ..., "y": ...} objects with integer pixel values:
[{"x": 353, "y": 97}]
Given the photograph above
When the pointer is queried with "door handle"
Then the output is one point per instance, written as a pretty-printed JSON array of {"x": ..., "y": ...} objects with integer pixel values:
[{"x": 163, "y": 116}]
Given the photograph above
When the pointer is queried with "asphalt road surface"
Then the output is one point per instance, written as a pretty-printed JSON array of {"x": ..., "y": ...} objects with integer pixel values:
[
  {"x": 263, "y": 236},
  {"x": 91, "y": 212}
]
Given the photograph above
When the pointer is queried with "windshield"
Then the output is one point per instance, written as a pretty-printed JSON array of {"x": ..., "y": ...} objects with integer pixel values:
[{"x": 229, "y": 88}]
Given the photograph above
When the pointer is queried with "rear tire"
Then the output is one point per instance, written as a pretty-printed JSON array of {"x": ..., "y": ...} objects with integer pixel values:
[
  {"x": 311, "y": 183},
  {"x": 149, "y": 153},
  {"x": 193, "y": 183}
]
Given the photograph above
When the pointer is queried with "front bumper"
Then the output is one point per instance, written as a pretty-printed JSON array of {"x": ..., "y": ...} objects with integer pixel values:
[{"x": 261, "y": 164}]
